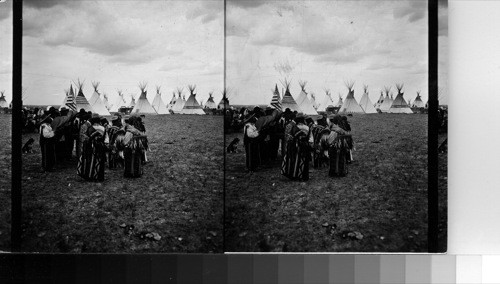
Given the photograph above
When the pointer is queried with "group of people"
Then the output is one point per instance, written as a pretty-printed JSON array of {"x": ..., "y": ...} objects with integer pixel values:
[
  {"x": 96, "y": 142},
  {"x": 326, "y": 142}
]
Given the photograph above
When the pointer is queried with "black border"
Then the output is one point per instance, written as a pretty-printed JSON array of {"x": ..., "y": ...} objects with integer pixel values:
[
  {"x": 17, "y": 104},
  {"x": 432, "y": 146}
]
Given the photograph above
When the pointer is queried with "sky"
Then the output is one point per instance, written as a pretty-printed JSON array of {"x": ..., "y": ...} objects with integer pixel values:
[
  {"x": 176, "y": 43},
  {"x": 6, "y": 34},
  {"x": 120, "y": 44},
  {"x": 326, "y": 43}
]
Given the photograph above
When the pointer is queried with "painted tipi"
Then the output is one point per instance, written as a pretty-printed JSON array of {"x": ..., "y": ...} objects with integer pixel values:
[
  {"x": 105, "y": 100},
  {"x": 96, "y": 103},
  {"x": 69, "y": 99},
  {"x": 142, "y": 105},
  {"x": 312, "y": 99},
  {"x": 365, "y": 102},
  {"x": 192, "y": 106},
  {"x": 288, "y": 101},
  {"x": 399, "y": 104},
  {"x": 303, "y": 102},
  {"x": 81, "y": 100},
  {"x": 158, "y": 103},
  {"x": 380, "y": 100},
  {"x": 350, "y": 104},
  {"x": 276, "y": 100}
]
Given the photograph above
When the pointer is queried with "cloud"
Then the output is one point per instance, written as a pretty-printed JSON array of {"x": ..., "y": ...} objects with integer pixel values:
[
  {"x": 245, "y": 4},
  {"x": 443, "y": 3},
  {"x": 443, "y": 21},
  {"x": 6, "y": 67},
  {"x": 45, "y": 4},
  {"x": 5, "y": 10},
  {"x": 208, "y": 11},
  {"x": 94, "y": 29},
  {"x": 413, "y": 9}
]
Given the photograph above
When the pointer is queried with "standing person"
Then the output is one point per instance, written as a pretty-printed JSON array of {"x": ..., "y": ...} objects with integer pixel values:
[
  {"x": 347, "y": 127},
  {"x": 316, "y": 132},
  {"x": 60, "y": 142},
  {"x": 337, "y": 148},
  {"x": 92, "y": 161},
  {"x": 296, "y": 161},
  {"x": 116, "y": 134},
  {"x": 264, "y": 125},
  {"x": 134, "y": 143},
  {"x": 286, "y": 117},
  {"x": 82, "y": 133},
  {"x": 251, "y": 143},
  {"x": 63, "y": 130},
  {"x": 139, "y": 125},
  {"x": 47, "y": 144}
]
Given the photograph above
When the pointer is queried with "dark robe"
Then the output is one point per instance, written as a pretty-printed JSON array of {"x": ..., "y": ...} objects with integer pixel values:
[
  {"x": 114, "y": 158},
  {"x": 252, "y": 151},
  {"x": 318, "y": 157},
  {"x": 48, "y": 150},
  {"x": 92, "y": 160},
  {"x": 295, "y": 164},
  {"x": 135, "y": 145},
  {"x": 338, "y": 153}
]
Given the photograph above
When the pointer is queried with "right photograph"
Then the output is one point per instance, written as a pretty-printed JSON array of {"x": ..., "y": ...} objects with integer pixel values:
[{"x": 326, "y": 126}]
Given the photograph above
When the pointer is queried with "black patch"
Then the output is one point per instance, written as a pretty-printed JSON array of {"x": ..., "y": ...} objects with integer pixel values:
[
  {"x": 28, "y": 146},
  {"x": 233, "y": 146}
]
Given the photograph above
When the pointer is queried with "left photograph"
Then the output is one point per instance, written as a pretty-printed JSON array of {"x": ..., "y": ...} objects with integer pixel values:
[
  {"x": 123, "y": 137},
  {"x": 6, "y": 33}
]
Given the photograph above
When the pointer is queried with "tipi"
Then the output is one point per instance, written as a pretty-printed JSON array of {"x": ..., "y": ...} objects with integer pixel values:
[
  {"x": 386, "y": 104},
  {"x": 276, "y": 100},
  {"x": 69, "y": 99},
  {"x": 365, "y": 102},
  {"x": 132, "y": 102},
  {"x": 327, "y": 101},
  {"x": 350, "y": 104},
  {"x": 178, "y": 103},
  {"x": 171, "y": 103},
  {"x": 380, "y": 100},
  {"x": 106, "y": 101},
  {"x": 303, "y": 102},
  {"x": 399, "y": 104},
  {"x": 96, "y": 103},
  {"x": 3, "y": 101},
  {"x": 313, "y": 101},
  {"x": 288, "y": 101},
  {"x": 224, "y": 101},
  {"x": 192, "y": 106},
  {"x": 418, "y": 101},
  {"x": 142, "y": 105},
  {"x": 81, "y": 100},
  {"x": 158, "y": 103},
  {"x": 120, "y": 102},
  {"x": 340, "y": 102},
  {"x": 210, "y": 104}
]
